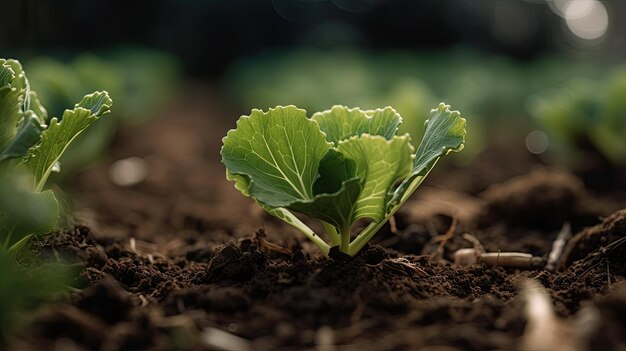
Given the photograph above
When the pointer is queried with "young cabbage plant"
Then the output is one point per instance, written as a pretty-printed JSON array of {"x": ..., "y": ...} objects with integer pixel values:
[
  {"x": 31, "y": 144},
  {"x": 339, "y": 166}
]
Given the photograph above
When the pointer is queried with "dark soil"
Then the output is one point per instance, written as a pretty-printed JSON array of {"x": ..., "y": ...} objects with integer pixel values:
[{"x": 183, "y": 261}]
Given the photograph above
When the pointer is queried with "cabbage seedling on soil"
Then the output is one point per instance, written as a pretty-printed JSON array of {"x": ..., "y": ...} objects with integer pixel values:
[
  {"x": 339, "y": 166},
  {"x": 31, "y": 144}
]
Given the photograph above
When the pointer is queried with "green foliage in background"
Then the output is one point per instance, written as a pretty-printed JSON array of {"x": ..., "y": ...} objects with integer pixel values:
[
  {"x": 142, "y": 81},
  {"x": 490, "y": 89},
  {"x": 583, "y": 112}
]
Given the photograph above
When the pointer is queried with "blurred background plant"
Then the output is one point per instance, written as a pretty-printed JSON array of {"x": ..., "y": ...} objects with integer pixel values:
[
  {"x": 26, "y": 286},
  {"x": 491, "y": 88},
  {"x": 142, "y": 79},
  {"x": 31, "y": 143},
  {"x": 585, "y": 115}
]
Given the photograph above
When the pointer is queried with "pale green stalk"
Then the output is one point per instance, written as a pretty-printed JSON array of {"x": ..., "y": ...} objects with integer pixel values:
[
  {"x": 333, "y": 235},
  {"x": 368, "y": 233}
]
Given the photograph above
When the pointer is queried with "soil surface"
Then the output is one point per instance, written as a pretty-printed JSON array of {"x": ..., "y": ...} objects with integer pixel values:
[{"x": 181, "y": 260}]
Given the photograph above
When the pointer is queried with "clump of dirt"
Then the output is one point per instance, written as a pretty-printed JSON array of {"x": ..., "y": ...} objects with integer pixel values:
[
  {"x": 607, "y": 236},
  {"x": 541, "y": 199}
]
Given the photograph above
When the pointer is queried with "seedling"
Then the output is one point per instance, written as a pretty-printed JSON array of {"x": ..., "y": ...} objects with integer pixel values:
[
  {"x": 338, "y": 167},
  {"x": 141, "y": 81},
  {"x": 30, "y": 147}
]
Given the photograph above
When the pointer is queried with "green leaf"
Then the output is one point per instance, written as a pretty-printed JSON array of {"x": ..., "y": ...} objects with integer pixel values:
[
  {"x": 10, "y": 101},
  {"x": 444, "y": 132},
  {"x": 334, "y": 169},
  {"x": 98, "y": 103},
  {"x": 28, "y": 134},
  {"x": 340, "y": 123},
  {"x": 242, "y": 182},
  {"x": 335, "y": 208},
  {"x": 23, "y": 212},
  {"x": 336, "y": 191},
  {"x": 381, "y": 163},
  {"x": 59, "y": 135},
  {"x": 279, "y": 151},
  {"x": 6, "y": 73},
  {"x": 37, "y": 108},
  {"x": 19, "y": 82}
]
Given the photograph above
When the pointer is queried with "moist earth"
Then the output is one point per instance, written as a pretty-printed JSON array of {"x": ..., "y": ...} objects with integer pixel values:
[{"x": 182, "y": 261}]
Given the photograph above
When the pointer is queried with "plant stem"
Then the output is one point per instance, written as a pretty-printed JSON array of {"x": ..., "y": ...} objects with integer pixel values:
[
  {"x": 365, "y": 236},
  {"x": 288, "y": 217},
  {"x": 367, "y": 233},
  {"x": 333, "y": 235},
  {"x": 345, "y": 239},
  {"x": 15, "y": 248}
]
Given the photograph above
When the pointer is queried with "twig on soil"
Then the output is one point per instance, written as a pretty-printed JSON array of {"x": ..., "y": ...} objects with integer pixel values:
[
  {"x": 259, "y": 237},
  {"x": 475, "y": 242},
  {"x": 558, "y": 245},
  {"x": 442, "y": 240},
  {"x": 392, "y": 225},
  {"x": 599, "y": 255},
  {"x": 477, "y": 255},
  {"x": 392, "y": 264},
  {"x": 612, "y": 246}
]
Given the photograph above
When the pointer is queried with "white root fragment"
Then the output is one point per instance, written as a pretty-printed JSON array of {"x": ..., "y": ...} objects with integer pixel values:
[
  {"x": 467, "y": 257},
  {"x": 216, "y": 339},
  {"x": 325, "y": 339},
  {"x": 133, "y": 244},
  {"x": 506, "y": 259},
  {"x": 477, "y": 255},
  {"x": 557, "y": 246},
  {"x": 544, "y": 331}
]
